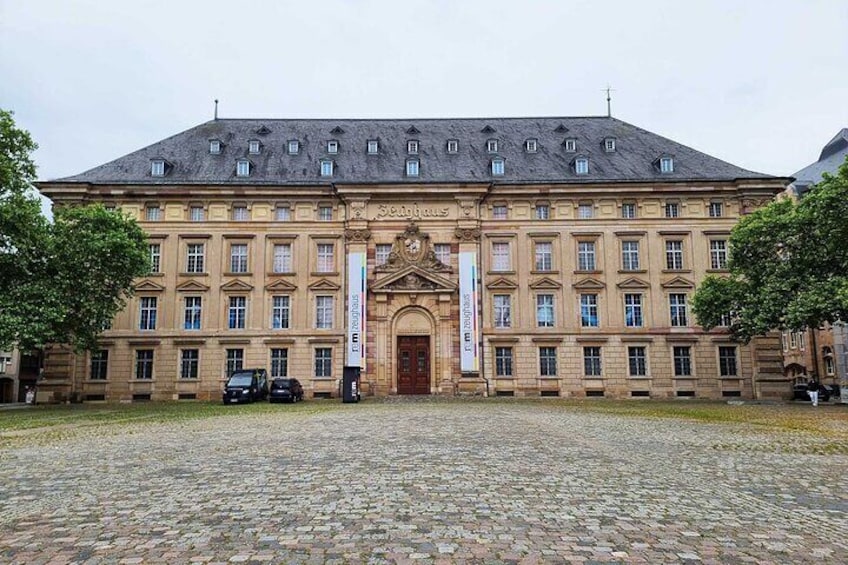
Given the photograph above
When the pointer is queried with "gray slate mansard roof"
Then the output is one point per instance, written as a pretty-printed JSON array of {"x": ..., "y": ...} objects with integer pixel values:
[
  {"x": 832, "y": 156},
  {"x": 634, "y": 160}
]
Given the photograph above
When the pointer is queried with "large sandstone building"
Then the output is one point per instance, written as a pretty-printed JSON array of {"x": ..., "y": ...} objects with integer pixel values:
[{"x": 502, "y": 256}]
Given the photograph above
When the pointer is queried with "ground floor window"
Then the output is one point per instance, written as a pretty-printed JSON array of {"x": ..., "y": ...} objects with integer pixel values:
[
  {"x": 99, "y": 365},
  {"x": 727, "y": 361},
  {"x": 235, "y": 360},
  {"x": 503, "y": 361},
  {"x": 637, "y": 361},
  {"x": 189, "y": 361},
  {"x": 592, "y": 361},
  {"x": 682, "y": 361},
  {"x": 323, "y": 362},
  {"x": 279, "y": 363},
  {"x": 144, "y": 364},
  {"x": 547, "y": 361}
]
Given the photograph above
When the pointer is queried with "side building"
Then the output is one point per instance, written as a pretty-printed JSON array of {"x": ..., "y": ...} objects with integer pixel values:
[{"x": 501, "y": 256}]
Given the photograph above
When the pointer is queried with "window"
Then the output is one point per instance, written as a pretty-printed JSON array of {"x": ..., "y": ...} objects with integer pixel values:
[
  {"x": 282, "y": 214},
  {"x": 543, "y": 211},
  {"x": 189, "y": 362},
  {"x": 715, "y": 210},
  {"x": 592, "y": 361},
  {"x": 727, "y": 361},
  {"x": 829, "y": 367},
  {"x": 503, "y": 311},
  {"x": 630, "y": 255},
  {"x": 500, "y": 256},
  {"x": 531, "y": 145},
  {"x": 503, "y": 361},
  {"x": 280, "y": 312},
  {"x": 677, "y": 310},
  {"x": 157, "y": 168},
  {"x": 585, "y": 211},
  {"x": 412, "y": 168},
  {"x": 326, "y": 168},
  {"x": 637, "y": 361},
  {"x": 726, "y": 320},
  {"x": 373, "y": 146},
  {"x": 492, "y": 146},
  {"x": 499, "y": 212},
  {"x": 498, "y": 167},
  {"x": 324, "y": 312},
  {"x": 682, "y": 361},
  {"x": 326, "y": 258},
  {"x": 609, "y": 144},
  {"x": 325, "y": 213},
  {"x": 784, "y": 341},
  {"x": 238, "y": 258},
  {"x": 151, "y": 213},
  {"x": 589, "y": 310},
  {"x": 412, "y": 147},
  {"x": 666, "y": 165},
  {"x": 801, "y": 341},
  {"x": 585, "y": 255},
  {"x": 293, "y": 147},
  {"x": 570, "y": 145},
  {"x": 633, "y": 310},
  {"x": 547, "y": 361},
  {"x": 194, "y": 257},
  {"x": 144, "y": 364},
  {"x": 191, "y": 312},
  {"x": 672, "y": 210},
  {"x": 99, "y": 365},
  {"x": 242, "y": 168},
  {"x": 332, "y": 147},
  {"x": 674, "y": 255},
  {"x": 381, "y": 253},
  {"x": 443, "y": 253},
  {"x": 279, "y": 363},
  {"x": 237, "y": 312},
  {"x": 545, "y": 310},
  {"x": 453, "y": 146},
  {"x": 718, "y": 254},
  {"x": 282, "y": 258},
  {"x": 544, "y": 256},
  {"x": 628, "y": 210},
  {"x": 581, "y": 166},
  {"x": 235, "y": 360},
  {"x": 214, "y": 146},
  {"x": 147, "y": 313},
  {"x": 323, "y": 362},
  {"x": 253, "y": 147},
  {"x": 196, "y": 214},
  {"x": 793, "y": 340},
  {"x": 240, "y": 213},
  {"x": 155, "y": 257}
]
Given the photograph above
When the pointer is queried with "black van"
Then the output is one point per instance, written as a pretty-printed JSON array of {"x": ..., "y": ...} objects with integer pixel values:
[{"x": 246, "y": 385}]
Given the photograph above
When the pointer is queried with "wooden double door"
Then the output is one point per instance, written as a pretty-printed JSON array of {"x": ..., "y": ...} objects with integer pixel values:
[{"x": 413, "y": 365}]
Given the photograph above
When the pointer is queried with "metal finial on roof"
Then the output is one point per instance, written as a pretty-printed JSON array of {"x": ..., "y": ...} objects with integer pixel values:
[
  {"x": 216, "y": 108},
  {"x": 609, "y": 106}
]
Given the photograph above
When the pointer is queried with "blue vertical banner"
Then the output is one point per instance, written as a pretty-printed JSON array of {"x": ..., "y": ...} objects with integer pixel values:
[
  {"x": 469, "y": 340},
  {"x": 356, "y": 279}
]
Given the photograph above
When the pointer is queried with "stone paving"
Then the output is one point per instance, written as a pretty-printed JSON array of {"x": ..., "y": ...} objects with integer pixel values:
[{"x": 453, "y": 482}]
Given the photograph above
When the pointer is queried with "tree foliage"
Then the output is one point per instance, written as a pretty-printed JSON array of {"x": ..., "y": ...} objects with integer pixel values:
[
  {"x": 60, "y": 282},
  {"x": 788, "y": 265}
]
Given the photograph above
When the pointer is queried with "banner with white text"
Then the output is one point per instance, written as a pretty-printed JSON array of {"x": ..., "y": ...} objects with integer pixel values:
[
  {"x": 356, "y": 310},
  {"x": 468, "y": 321}
]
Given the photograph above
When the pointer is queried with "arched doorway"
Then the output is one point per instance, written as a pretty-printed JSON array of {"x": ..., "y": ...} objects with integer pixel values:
[{"x": 413, "y": 330}]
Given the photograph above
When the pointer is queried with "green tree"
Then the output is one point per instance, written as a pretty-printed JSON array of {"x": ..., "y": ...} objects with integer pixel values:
[
  {"x": 788, "y": 265},
  {"x": 60, "y": 282}
]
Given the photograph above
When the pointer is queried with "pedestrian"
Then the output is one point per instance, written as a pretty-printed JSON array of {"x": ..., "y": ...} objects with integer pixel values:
[
  {"x": 30, "y": 395},
  {"x": 813, "y": 391}
]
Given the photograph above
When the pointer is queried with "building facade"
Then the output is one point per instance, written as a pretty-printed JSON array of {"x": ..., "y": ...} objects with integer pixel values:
[{"x": 504, "y": 256}]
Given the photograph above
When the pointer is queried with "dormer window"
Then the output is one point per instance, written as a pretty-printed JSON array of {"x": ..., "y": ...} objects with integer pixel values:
[
  {"x": 326, "y": 168},
  {"x": 412, "y": 147},
  {"x": 215, "y": 146},
  {"x": 498, "y": 167},
  {"x": 332, "y": 147},
  {"x": 293, "y": 147},
  {"x": 581, "y": 165},
  {"x": 242, "y": 168},
  {"x": 412, "y": 168},
  {"x": 453, "y": 146},
  {"x": 157, "y": 168},
  {"x": 609, "y": 144},
  {"x": 570, "y": 145},
  {"x": 373, "y": 146},
  {"x": 531, "y": 145},
  {"x": 253, "y": 147},
  {"x": 666, "y": 165},
  {"x": 492, "y": 146}
]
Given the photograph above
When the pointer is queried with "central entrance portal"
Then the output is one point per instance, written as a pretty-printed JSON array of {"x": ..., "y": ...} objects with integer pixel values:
[{"x": 413, "y": 365}]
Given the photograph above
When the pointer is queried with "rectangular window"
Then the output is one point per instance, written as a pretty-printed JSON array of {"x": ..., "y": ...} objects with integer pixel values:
[
  {"x": 570, "y": 145},
  {"x": 332, "y": 147},
  {"x": 99, "y": 365},
  {"x": 194, "y": 258},
  {"x": 547, "y": 361},
  {"x": 325, "y": 213},
  {"x": 192, "y": 312},
  {"x": 453, "y": 146},
  {"x": 592, "y": 361},
  {"x": 283, "y": 214},
  {"x": 585, "y": 211},
  {"x": 499, "y": 212},
  {"x": 189, "y": 363},
  {"x": 500, "y": 256},
  {"x": 155, "y": 257},
  {"x": 503, "y": 361},
  {"x": 197, "y": 214},
  {"x": 326, "y": 258},
  {"x": 147, "y": 313},
  {"x": 294, "y": 147},
  {"x": 586, "y": 256},
  {"x": 793, "y": 341},
  {"x": 589, "y": 310},
  {"x": 243, "y": 168},
  {"x": 677, "y": 310},
  {"x": 581, "y": 166},
  {"x": 531, "y": 145},
  {"x": 492, "y": 146},
  {"x": 637, "y": 361},
  {"x": 237, "y": 315},
  {"x": 214, "y": 146},
  {"x": 412, "y": 168},
  {"x": 283, "y": 258},
  {"x": 672, "y": 210},
  {"x": 240, "y": 213},
  {"x": 802, "y": 341},
  {"x": 253, "y": 147},
  {"x": 718, "y": 254},
  {"x": 666, "y": 165},
  {"x": 157, "y": 168},
  {"x": 151, "y": 213},
  {"x": 633, "y": 310},
  {"x": 412, "y": 147},
  {"x": 545, "y": 310},
  {"x": 498, "y": 167},
  {"x": 544, "y": 256},
  {"x": 543, "y": 211},
  {"x": 674, "y": 255},
  {"x": 279, "y": 363},
  {"x": 609, "y": 145},
  {"x": 443, "y": 253},
  {"x": 727, "y": 361},
  {"x": 373, "y": 146},
  {"x": 144, "y": 364},
  {"x": 323, "y": 362},
  {"x": 235, "y": 360},
  {"x": 238, "y": 258},
  {"x": 682, "y": 361},
  {"x": 326, "y": 168},
  {"x": 323, "y": 312},
  {"x": 716, "y": 210},
  {"x": 630, "y": 255},
  {"x": 628, "y": 210},
  {"x": 280, "y": 312},
  {"x": 382, "y": 252},
  {"x": 503, "y": 310}
]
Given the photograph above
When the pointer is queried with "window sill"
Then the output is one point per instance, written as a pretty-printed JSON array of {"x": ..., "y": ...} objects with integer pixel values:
[
  {"x": 676, "y": 271},
  {"x": 500, "y": 273},
  {"x": 231, "y": 274},
  {"x": 544, "y": 272},
  {"x": 324, "y": 274},
  {"x": 595, "y": 272},
  {"x": 718, "y": 270},
  {"x": 632, "y": 271},
  {"x": 189, "y": 274}
]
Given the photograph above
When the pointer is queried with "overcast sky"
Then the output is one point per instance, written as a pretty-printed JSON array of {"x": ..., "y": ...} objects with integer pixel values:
[{"x": 761, "y": 84}]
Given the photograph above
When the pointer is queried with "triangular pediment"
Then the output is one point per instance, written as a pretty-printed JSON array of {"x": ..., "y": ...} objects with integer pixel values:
[
  {"x": 413, "y": 279},
  {"x": 236, "y": 286},
  {"x": 502, "y": 284},
  {"x": 633, "y": 283},
  {"x": 263, "y": 130},
  {"x": 561, "y": 129},
  {"x": 545, "y": 283},
  {"x": 412, "y": 130},
  {"x": 324, "y": 284},
  {"x": 678, "y": 282},
  {"x": 487, "y": 129},
  {"x": 148, "y": 285},
  {"x": 192, "y": 286},
  {"x": 589, "y": 284},
  {"x": 337, "y": 130},
  {"x": 281, "y": 285}
]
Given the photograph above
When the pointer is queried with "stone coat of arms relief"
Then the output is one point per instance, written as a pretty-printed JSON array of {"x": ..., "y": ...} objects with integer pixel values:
[{"x": 412, "y": 248}]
